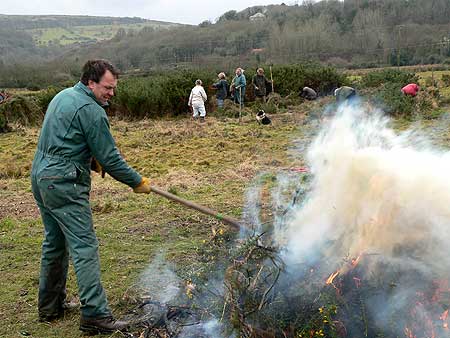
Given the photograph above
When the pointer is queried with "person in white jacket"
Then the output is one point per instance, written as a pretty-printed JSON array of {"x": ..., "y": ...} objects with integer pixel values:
[{"x": 197, "y": 100}]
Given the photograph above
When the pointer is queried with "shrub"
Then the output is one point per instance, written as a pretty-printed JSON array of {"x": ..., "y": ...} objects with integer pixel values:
[
  {"x": 3, "y": 123},
  {"x": 20, "y": 109},
  {"x": 446, "y": 80},
  {"x": 44, "y": 97},
  {"x": 378, "y": 78},
  {"x": 394, "y": 102},
  {"x": 291, "y": 78},
  {"x": 157, "y": 95},
  {"x": 162, "y": 93}
]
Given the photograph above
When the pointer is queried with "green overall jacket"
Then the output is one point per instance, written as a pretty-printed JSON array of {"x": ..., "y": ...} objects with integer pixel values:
[{"x": 75, "y": 129}]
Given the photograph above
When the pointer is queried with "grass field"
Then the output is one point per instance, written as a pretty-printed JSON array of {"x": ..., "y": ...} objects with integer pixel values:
[
  {"x": 76, "y": 34},
  {"x": 211, "y": 163}
]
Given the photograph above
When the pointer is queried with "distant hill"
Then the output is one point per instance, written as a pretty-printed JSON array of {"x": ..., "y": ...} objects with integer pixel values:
[
  {"x": 350, "y": 33},
  {"x": 69, "y": 29},
  {"x": 347, "y": 34},
  {"x": 26, "y": 22}
]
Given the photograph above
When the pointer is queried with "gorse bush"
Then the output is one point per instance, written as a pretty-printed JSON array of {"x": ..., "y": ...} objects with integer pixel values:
[
  {"x": 378, "y": 78},
  {"x": 157, "y": 95},
  {"x": 164, "y": 93},
  {"x": 44, "y": 97},
  {"x": 292, "y": 78},
  {"x": 3, "y": 122},
  {"x": 446, "y": 80},
  {"x": 385, "y": 88},
  {"x": 26, "y": 110},
  {"x": 394, "y": 102},
  {"x": 20, "y": 109}
]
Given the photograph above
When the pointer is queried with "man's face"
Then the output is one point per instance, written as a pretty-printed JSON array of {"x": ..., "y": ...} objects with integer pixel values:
[
  {"x": 104, "y": 89},
  {"x": 238, "y": 72}
]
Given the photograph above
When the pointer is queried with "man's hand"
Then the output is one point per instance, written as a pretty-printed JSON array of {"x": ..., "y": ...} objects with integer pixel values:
[{"x": 143, "y": 187}]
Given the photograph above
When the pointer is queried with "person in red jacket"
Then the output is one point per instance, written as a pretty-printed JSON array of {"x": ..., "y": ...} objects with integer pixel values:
[{"x": 411, "y": 89}]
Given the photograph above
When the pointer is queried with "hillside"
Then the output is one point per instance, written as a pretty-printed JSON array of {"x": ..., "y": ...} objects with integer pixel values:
[
  {"x": 352, "y": 33},
  {"x": 348, "y": 34},
  {"x": 69, "y": 29}
]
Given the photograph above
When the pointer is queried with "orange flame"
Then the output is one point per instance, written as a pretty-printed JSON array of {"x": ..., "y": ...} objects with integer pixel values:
[
  {"x": 346, "y": 268},
  {"x": 332, "y": 277},
  {"x": 409, "y": 333},
  {"x": 356, "y": 260},
  {"x": 444, "y": 317}
]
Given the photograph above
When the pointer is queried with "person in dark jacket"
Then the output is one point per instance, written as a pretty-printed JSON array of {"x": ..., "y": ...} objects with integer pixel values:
[
  {"x": 222, "y": 89},
  {"x": 261, "y": 85},
  {"x": 74, "y": 138}
]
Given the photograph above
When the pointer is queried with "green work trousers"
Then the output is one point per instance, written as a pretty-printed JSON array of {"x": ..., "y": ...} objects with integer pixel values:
[{"x": 61, "y": 190}]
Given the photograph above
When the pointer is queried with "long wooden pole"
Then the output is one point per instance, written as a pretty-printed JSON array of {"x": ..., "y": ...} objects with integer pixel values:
[
  {"x": 271, "y": 77},
  {"x": 205, "y": 210},
  {"x": 240, "y": 104}
]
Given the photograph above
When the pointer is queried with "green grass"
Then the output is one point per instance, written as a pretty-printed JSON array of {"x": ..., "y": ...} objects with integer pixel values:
[
  {"x": 74, "y": 34},
  {"x": 210, "y": 163}
]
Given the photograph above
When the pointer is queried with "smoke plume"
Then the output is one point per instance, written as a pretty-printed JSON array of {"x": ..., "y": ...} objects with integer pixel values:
[{"x": 374, "y": 191}]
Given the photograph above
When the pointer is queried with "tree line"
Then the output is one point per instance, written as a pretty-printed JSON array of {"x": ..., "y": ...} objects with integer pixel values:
[{"x": 347, "y": 34}]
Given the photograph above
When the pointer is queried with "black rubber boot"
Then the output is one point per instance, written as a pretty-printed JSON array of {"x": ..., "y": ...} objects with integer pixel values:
[
  {"x": 50, "y": 317},
  {"x": 105, "y": 325},
  {"x": 65, "y": 308}
]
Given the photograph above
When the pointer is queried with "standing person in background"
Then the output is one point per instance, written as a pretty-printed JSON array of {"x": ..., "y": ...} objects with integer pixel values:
[
  {"x": 197, "y": 100},
  {"x": 260, "y": 84},
  {"x": 75, "y": 130},
  {"x": 222, "y": 89},
  {"x": 238, "y": 86}
]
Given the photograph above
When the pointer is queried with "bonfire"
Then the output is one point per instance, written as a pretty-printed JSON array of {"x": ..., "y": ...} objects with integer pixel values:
[{"x": 360, "y": 249}]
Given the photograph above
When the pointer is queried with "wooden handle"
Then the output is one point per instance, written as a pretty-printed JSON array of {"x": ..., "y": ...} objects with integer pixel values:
[{"x": 223, "y": 218}]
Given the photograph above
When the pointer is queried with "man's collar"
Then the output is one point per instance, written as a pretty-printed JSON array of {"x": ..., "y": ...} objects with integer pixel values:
[{"x": 90, "y": 93}]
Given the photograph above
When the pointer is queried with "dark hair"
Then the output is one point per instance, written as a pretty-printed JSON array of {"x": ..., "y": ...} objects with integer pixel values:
[{"x": 94, "y": 70}]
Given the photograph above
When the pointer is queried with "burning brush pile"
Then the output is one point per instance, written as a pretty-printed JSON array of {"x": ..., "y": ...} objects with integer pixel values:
[
  {"x": 365, "y": 250},
  {"x": 362, "y": 251}
]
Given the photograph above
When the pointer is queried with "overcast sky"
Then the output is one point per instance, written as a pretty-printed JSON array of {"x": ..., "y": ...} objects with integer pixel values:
[{"x": 181, "y": 11}]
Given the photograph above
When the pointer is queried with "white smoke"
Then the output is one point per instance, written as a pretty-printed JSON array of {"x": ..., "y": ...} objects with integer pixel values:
[
  {"x": 159, "y": 282},
  {"x": 374, "y": 191},
  {"x": 209, "y": 329}
]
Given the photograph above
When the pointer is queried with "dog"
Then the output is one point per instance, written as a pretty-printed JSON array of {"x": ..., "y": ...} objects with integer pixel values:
[{"x": 262, "y": 118}]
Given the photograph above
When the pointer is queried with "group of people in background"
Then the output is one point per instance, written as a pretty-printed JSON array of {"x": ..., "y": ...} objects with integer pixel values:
[
  {"x": 261, "y": 88},
  {"x": 261, "y": 85}
]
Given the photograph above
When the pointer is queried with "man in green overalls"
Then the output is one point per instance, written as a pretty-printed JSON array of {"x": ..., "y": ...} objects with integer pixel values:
[{"x": 76, "y": 132}]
